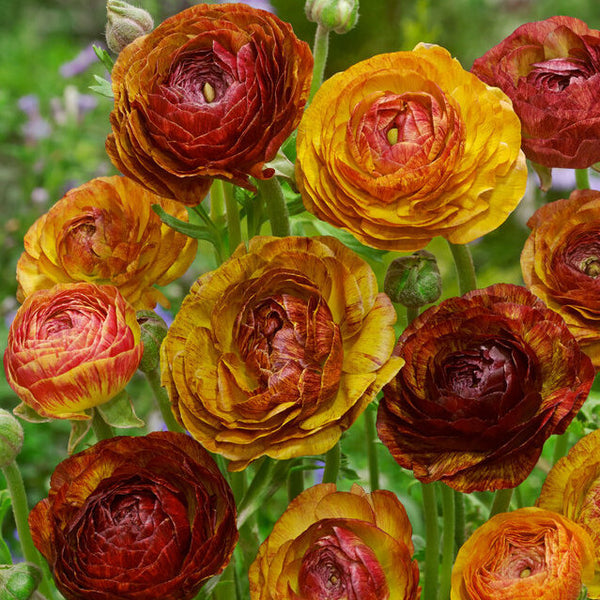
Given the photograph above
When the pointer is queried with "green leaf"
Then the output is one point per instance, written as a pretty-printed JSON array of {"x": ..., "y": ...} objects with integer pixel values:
[
  {"x": 25, "y": 412},
  {"x": 79, "y": 430},
  {"x": 193, "y": 230},
  {"x": 104, "y": 56},
  {"x": 104, "y": 87},
  {"x": 5, "y": 504},
  {"x": 119, "y": 412}
]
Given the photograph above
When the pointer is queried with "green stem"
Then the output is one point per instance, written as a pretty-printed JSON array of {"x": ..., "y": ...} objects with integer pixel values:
[
  {"x": 233, "y": 217},
  {"x": 432, "y": 542},
  {"x": 501, "y": 502},
  {"x": 371, "y": 442},
  {"x": 163, "y": 402},
  {"x": 560, "y": 449},
  {"x": 102, "y": 430},
  {"x": 332, "y": 464},
  {"x": 448, "y": 541},
  {"x": 295, "y": 483},
  {"x": 271, "y": 191},
  {"x": 582, "y": 179},
  {"x": 412, "y": 312},
  {"x": 465, "y": 269},
  {"x": 14, "y": 483},
  {"x": 217, "y": 200},
  {"x": 459, "y": 511},
  {"x": 320, "y": 52},
  {"x": 226, "y": 589}
]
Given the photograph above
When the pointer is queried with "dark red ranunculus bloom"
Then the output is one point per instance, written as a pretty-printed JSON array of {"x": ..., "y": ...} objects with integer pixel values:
[
  {"x": 136, "y": 518},
  {"x": 213, "y": 91},
  {"x": 488, "y": 378},
  {"x": 551, "y": 71}
]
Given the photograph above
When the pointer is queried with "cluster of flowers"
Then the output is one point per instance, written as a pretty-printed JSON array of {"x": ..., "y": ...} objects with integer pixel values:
[{"x": 280, "y": 349}]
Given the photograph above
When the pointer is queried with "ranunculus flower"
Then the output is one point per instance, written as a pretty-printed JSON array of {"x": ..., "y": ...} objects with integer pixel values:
[
  {"x": 550, "y": 71},
  {"x": 561, "y": 264},
  {"x": 212, "y": 92},
  {"x": 572, "y": 488},
  {"x": 406, "y": 146},
  {"x": 106, "y": 232},
  {"x": 279, "y": 350},
  {"x": 136, "y": 518},
  {"x": 488, "y": 378},
  {"x": 72, "y": 347},
  {"x": 330, "y": 544},
  {"x": 524, "y": 554}
]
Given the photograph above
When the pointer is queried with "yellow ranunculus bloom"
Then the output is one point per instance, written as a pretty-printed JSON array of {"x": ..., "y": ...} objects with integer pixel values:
[
  {"x": 106, "y": 232},
  {"x": 279, "y": 350},
  {"x": 406, "y": 146}
]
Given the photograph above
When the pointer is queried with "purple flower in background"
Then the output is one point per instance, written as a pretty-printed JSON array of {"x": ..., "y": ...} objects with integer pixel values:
[
  {"x": 261, "y": 4},
  {"x": 36, "y": 127},
  {"x": 81, "y": 62}
]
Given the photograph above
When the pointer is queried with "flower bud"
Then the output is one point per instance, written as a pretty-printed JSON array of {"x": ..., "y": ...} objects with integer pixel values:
[
  {"x": 154, "y": 329},
  {"x": 125, "y": 24},
  {"x": 339, "y": 15},
  {"x": 413, "y": 280},
  {"x": 11, "y": 438},
  {"x": 19, "y": 581}
]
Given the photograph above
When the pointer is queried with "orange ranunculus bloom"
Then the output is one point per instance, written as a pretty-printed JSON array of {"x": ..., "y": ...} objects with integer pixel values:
[
  {"x": 212, "y": 92},
  {"x": 550, "y": 71},
  {"x": 136, "y": 518},
  {"x": 572, "y": 488},
  {"x": 406, "y": 146},
  {"x": 561, "y": 264},
  {"x": 524, "y": 554},
  {"x": 332, "y": 544},
  {"x": 488, "y": 377},
  {"x": 106, "y": 232},
  {"x": 279, "y": 350},
  {"x": 72, "y": 347}
]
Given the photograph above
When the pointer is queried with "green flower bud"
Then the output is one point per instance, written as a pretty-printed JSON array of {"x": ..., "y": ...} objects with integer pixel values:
[
  {"x": 11, "y": 438},
  {"x": 414, "y": 280},
  {"x": 154, "y": 329},
  {"x": 339, "y": 15},
  {"x": 125, "y": 24},
  {"x": 19, "y": 582}
]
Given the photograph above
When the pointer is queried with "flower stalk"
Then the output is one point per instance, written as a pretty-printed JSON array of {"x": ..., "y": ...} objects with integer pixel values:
[
  {"x": 582, "y": 179},
  {"x": 432, "y": 542},
  {"x": 501, "y": 502},
  {"x": 272, "y": 193},
  {"x": 320, "y": 53},
  {"x": 162, "y": 400},
  {"x": 371, "y": 443},
  {"x": 233, "y": 217},
  {"x": 332, "y": 464},
  {"x": 14, "y": 483},
  {"x": 463, "y": 261},
  {"x": 449, "y": 516}
]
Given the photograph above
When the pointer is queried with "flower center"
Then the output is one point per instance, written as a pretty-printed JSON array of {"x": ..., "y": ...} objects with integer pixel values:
[{"x": 582, "y": 252}]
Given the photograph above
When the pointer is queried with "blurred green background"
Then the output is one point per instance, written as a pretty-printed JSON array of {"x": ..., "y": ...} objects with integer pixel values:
[{"x": 52, "y": 131}]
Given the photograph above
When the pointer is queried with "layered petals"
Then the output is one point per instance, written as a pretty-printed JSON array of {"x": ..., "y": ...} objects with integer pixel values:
[
  {"x": 106, "y": 232},
  {"x": 488, "y": 378},
  {"x": 136, "y": 518},
  {"x": 572, "y": 488},
  {"x": 561, "y": 264},
  {"x": 551, "y": 71},
  {"x": 212, "y": 92},
  {"x": 279, "y": 350},
  {"x": 407, "y": 146},
  {"x": 524, "y": 554},
  {"x": 331, "y": 545},
  {"x": 72, "y": 347}
]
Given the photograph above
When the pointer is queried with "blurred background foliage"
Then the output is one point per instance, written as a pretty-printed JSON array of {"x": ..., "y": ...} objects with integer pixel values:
[{"x": 52, "y": 131}]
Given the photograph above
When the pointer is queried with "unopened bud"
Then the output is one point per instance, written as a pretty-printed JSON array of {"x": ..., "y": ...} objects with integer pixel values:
[
  {"x": 19, "y": 581},
  {"x": 11, "y": 438},
  {"x": 339, "y": 15},
  {"x": 154, "y": 330},
  {"x": 125, "y": 23},
  {"x": 414, "y": 280}
]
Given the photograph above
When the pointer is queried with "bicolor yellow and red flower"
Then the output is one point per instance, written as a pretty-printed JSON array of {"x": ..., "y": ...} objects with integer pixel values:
[
  {"x": 333, "y": 544},
  {"x": 551, "y": 71},
  {"x": 572, "y": 488},
  {"x": 406, "y": 146},
  {"x": 71, "y": 348},
  {"x": 136, "y": 518},
  {"x": 488, "y": 378},
  {"x": 279, "y": 350},
  {"x": 524, "y": 554},
  {"x": 106, "y": 232},
  {"x": 212, "y": 92},
  {"x": 561, "y": 264}
]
